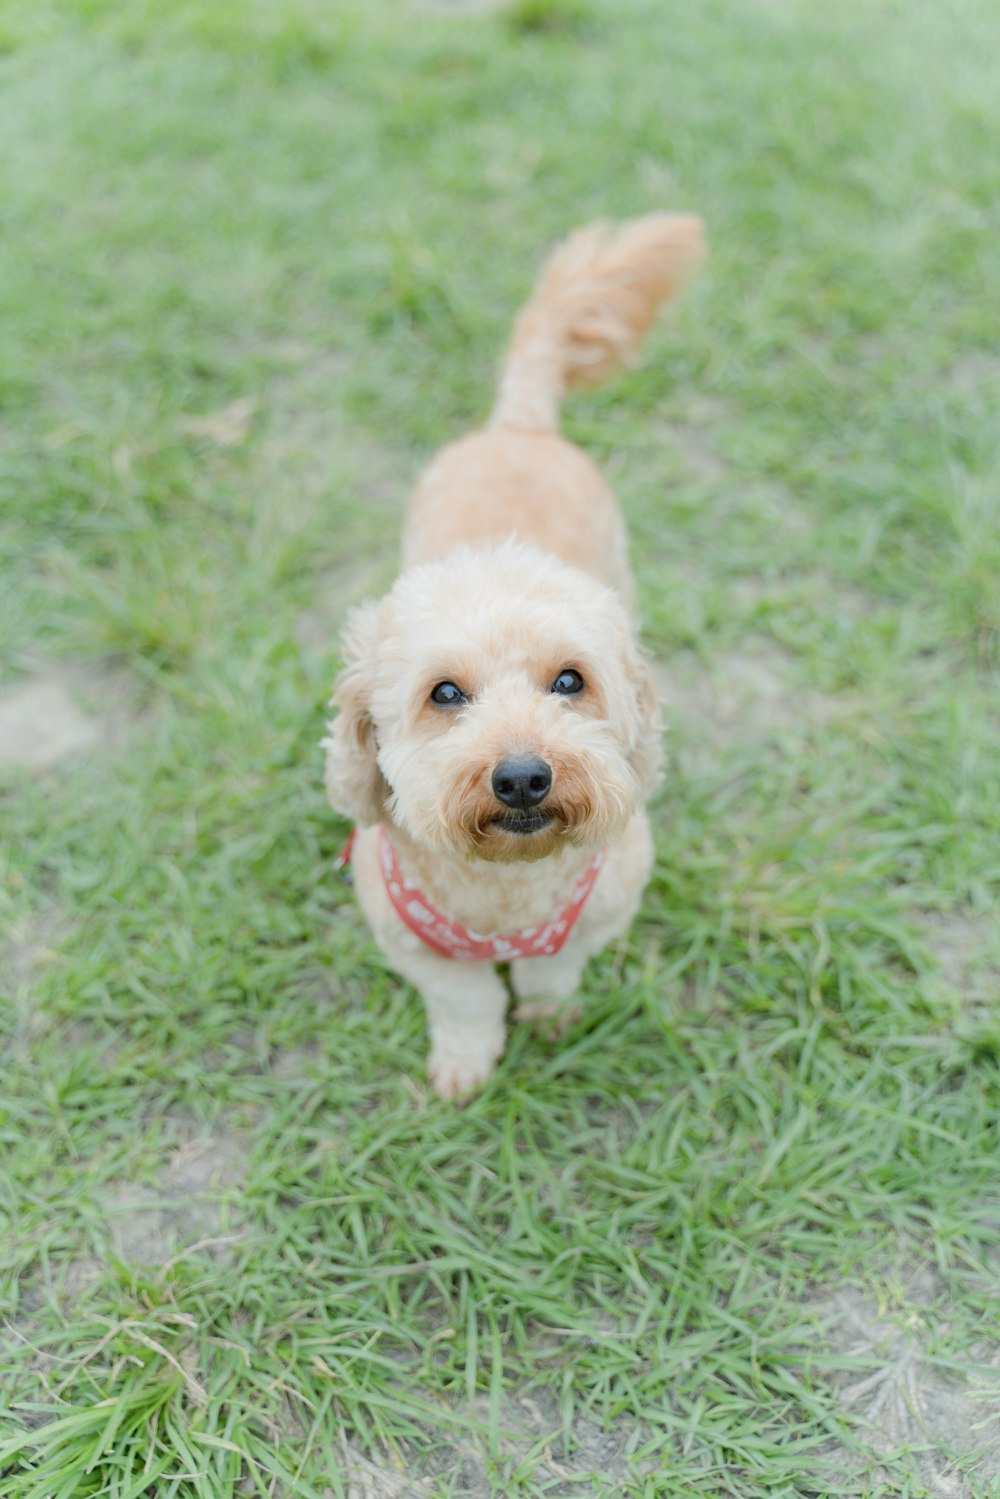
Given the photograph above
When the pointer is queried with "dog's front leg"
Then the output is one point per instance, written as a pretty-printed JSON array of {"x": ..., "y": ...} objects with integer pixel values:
[
  {"x": 465, "y": 1012},
  {"x": 465, "y": 1005},
  {"x": 545, "y": 987},
  {"x": 465, "y": 1002}
]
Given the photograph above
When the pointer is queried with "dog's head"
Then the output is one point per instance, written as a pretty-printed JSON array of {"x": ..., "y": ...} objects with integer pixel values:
[{"x": 495, "y": 703}]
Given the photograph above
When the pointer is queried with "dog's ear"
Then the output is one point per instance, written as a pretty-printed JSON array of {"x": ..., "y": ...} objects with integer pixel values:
[
  {"x": 354, "y": 783},
  {"x": 646, "y": 752}
]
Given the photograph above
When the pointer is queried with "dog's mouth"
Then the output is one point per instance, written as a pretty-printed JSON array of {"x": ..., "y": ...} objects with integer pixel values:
[{"x": 522, "y": 824}]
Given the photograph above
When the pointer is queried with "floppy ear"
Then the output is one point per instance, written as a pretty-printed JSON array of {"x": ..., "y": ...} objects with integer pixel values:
[
  {"x": 646, "y": 753},
  {"x": 354, "y": 783}
]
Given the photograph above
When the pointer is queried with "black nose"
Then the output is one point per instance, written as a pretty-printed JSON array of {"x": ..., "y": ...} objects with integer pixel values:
[{"x": 522, "y": 783}]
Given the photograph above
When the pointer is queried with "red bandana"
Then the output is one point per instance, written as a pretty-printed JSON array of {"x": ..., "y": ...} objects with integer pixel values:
[{"x": 451, "y": 940}]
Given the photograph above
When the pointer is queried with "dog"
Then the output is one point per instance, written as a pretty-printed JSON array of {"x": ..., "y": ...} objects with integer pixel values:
[{"x": 497, "y": 729}]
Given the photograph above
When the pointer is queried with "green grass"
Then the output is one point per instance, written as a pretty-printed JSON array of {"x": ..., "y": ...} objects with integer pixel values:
[{"x": 242, "y": 1250}]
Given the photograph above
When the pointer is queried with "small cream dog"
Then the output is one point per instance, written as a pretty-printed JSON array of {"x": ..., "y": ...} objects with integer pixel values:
[{"x": 498, "y": 729}]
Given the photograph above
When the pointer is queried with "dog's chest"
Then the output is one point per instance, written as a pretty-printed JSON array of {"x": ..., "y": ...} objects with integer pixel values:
[{"x": 497, "y": 898}]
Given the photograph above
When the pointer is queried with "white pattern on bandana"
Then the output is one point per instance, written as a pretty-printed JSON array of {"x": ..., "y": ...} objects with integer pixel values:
[{"x": 452, "y": 940}]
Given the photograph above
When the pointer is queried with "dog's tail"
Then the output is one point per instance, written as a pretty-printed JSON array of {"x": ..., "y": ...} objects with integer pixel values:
[{"x": 590, "y": 310}]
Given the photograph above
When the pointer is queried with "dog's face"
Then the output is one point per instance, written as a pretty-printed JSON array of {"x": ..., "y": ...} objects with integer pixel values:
[{"x": 494, "y": 703}]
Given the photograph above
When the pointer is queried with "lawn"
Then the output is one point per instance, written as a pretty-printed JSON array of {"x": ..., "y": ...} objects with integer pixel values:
[{"x": 739, "y": 1232}]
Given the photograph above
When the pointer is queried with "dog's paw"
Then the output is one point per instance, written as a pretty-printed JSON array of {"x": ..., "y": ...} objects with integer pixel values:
[
  {"x": 549, "y": 1017},
  {"x": 456, "y": 1072}
]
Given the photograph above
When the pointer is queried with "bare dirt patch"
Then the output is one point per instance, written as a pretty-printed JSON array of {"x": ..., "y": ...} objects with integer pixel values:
[
  {"x": 188, "y": 1203},
  {"x": 696, "y": 446},
  {"x": 226, "y": 428},
  {"x": 41, "y": 722},
  {"x": 30, "y": 945},
  {"x": 310, "y": 450},
  {"x": 966, "y": 947},
  {"x": 841, "y": 602},
  {"x": 530, "y": 1431},
  {"x": 695, "y": 436},
  {"x": 368, "y": 1479},
  {"x": 305, "y": 434},
  {"x": 974, "y": 372},
  {"x": 747, "y": 693},
  {"x": 67, "y": 711},
  {"x": 901, "y": 1394},
  {"x": 458, "y": 7},
  {"x": 337, "y": 590}
]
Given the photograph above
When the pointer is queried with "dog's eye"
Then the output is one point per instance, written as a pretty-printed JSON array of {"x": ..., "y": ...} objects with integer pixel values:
[
  {"x": 448, "y": 695},
  {"x": 568, "y": 682}
]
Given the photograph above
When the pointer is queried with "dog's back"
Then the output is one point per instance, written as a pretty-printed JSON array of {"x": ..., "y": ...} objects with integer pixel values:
[{"x": 591, "y": 308}]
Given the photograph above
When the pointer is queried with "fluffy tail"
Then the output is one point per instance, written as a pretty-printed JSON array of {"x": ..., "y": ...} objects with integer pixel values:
[{"x": 590, "y": 310}]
